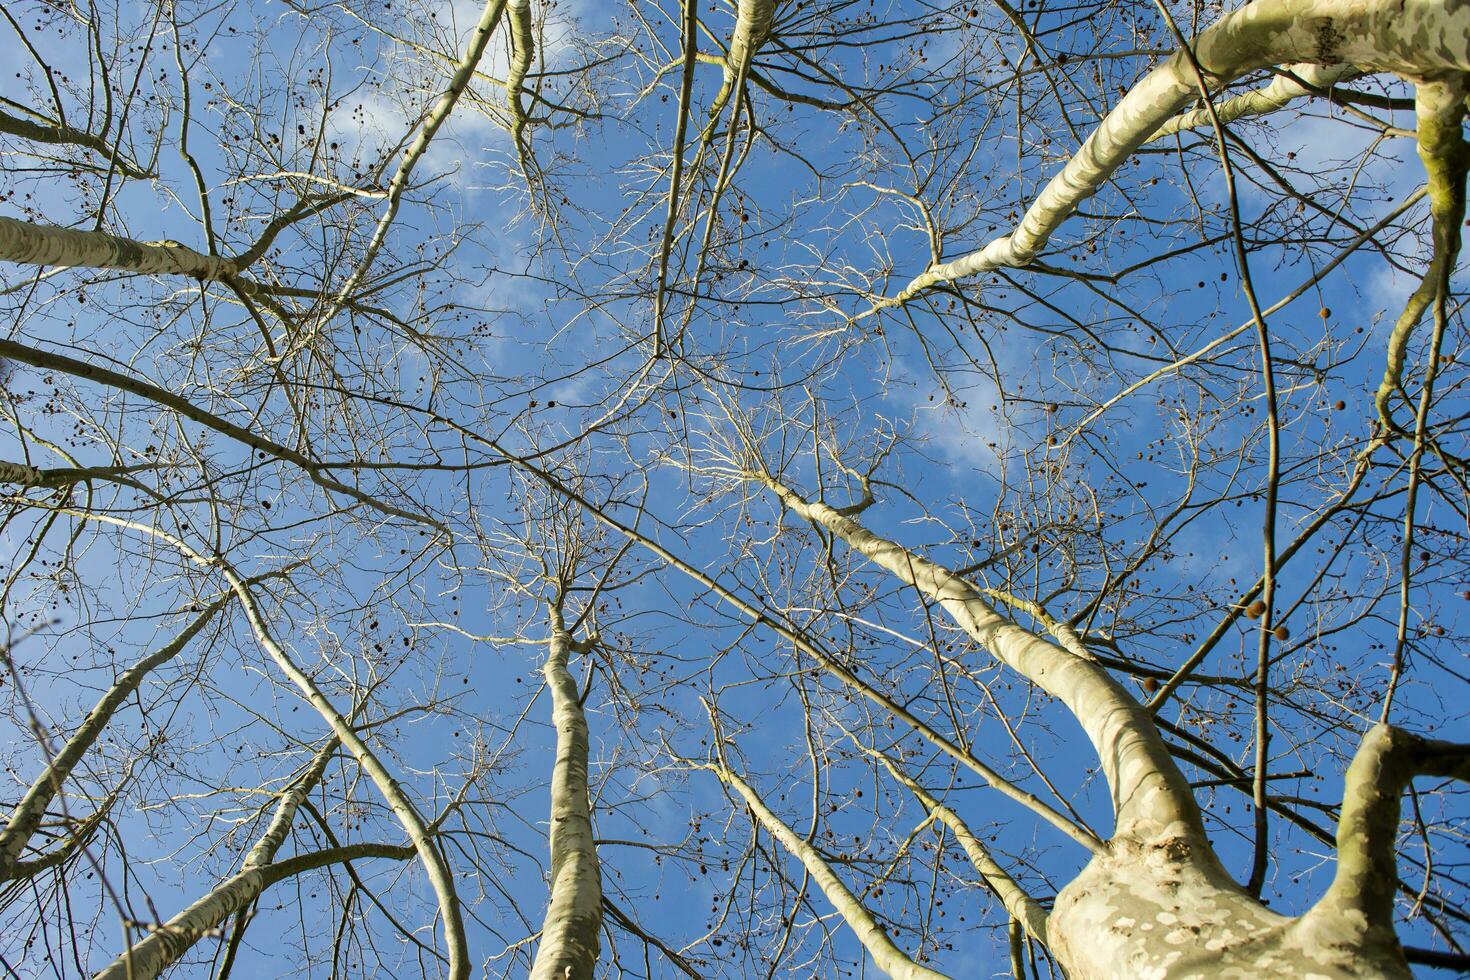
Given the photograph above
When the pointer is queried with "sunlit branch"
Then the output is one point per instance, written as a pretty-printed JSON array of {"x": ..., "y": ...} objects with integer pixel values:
[
  {"x": 1146, "y": 785},
  {"x": 1293, "y": 83},
  {"x": 1366, "y": 880},
  {"x": 27, "y": 815},
  {"x": 1017, "y": 902},
  {"x": 888, "y": 957},
  {"x": 435, "y": 866},
  {"x": 1412, "y": 38},
  {"x": 60, "y": 134}
]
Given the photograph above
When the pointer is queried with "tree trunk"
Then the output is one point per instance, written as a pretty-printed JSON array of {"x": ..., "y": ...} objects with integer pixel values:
[
  {"x": 569, "y": 934},
  {"x": 1155, "y": 901},
  {"x": 170, "y": 941}
]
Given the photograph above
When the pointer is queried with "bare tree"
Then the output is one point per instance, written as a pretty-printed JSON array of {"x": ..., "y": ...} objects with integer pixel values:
[{"x": 531, "y": 488}]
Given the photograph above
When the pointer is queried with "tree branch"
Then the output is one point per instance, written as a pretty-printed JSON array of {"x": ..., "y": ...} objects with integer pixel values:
[
  {"x": 1413, "y": 37},
  {"x": 1149, "y": 792},
  {"x": 1388, "y": 758}
]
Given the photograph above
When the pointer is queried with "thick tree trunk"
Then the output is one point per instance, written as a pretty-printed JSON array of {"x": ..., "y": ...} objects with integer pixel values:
[
  {"x": 569, "y": 935},
  {"x": 753, "y": 20},
  {"x": 1148, "y": 909},
  {"x": 1156, "y": 902}
]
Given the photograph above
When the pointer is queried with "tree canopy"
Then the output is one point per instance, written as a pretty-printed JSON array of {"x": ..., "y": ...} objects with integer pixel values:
[{"x": 734, "y": 488}]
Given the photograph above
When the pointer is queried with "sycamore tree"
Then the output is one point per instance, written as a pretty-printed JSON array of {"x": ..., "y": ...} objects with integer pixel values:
[{"x": 734, "y": 488}]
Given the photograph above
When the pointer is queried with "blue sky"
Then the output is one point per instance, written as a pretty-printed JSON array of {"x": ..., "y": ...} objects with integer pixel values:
[{"x": 806, "y": 225}]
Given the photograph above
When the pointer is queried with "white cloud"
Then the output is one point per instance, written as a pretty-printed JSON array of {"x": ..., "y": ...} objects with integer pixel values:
[{"x": 971, "y": 433}]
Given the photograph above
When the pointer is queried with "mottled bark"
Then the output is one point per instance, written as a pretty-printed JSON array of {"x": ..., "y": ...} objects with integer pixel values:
[
  {"x": 22, "y": 473},
  {"x": 1362, "y": 892},
  {"x": 1414, "y": 38},
  {"x": 27, "y": 815},
  {"x": 1155, "y": 902},
  {"x": 569, "y": 944},
  {"x": 1150, "y": 912}
]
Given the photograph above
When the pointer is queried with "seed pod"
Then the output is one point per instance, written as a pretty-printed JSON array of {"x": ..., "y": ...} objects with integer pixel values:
[
  {"x": 1281, "y": 633},
  {"x": 1256, "y": 609}
]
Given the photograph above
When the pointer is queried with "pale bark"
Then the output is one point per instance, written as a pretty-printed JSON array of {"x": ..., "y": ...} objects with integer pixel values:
[
  {"x": 79, "y": 833},
  {"x": 1440, "y": 111},
  {"x": 569, "y": 944},
  {"x": 523, "y": 49},
  {"x": 59, "y": 134},
  {"x": 171, "y": 940},
  {"x": 888, "y": 957},
  {"x": 30, "y": 243},
  {"x": 316, "y": 470},
  {"x": 264, "y": 851},
  {"x": 1358, "y": 905},
  {"x": 168, "y": 943},
  {"x": 1283, "y": 89},
  {"x": 1021, "y": 906},
  {"x": 63, "y": 476},
  {"x": 1415, "y": 38},
  {"x": 433, "y": 121},
  {"x": 27, "y": 815},
  {"x": 22, "y": 473},
  {"x": 1137, "y": 913},
  {"x": 753, "y": 21},
  {"x": 804, "y": 643},
  {"x": 47, "y": 245},
  {"x": 1150, "y": 795},
  {"x": 1156, "y": 902},
  {"x": 436, "y": 868}
]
